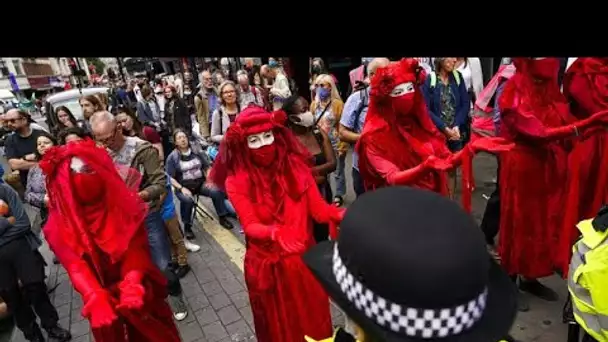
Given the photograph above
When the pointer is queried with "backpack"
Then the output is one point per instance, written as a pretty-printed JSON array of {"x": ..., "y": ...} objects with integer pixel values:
[
  {"x": 362, "y": 105},
  {"x": 434, "y": 78}
]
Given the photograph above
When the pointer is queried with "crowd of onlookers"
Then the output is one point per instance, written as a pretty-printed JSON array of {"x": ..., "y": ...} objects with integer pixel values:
[{"x": 183, "y": 121}]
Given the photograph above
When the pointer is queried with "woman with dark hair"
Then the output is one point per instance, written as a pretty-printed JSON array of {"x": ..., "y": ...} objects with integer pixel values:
[
  {"x": 35, "y": 189},
  {"x": 188, "y": 172},
  {"x": 65, "y": 119},
  {"x": 176, "y": 112},
  {"x": 301, "y": 122},
  {"x": 131, "y": 126},
  {"x": 68, "y": 135}
]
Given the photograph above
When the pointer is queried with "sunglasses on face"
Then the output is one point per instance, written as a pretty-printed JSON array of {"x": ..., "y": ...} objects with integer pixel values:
[{"x": 14, "y": 120}]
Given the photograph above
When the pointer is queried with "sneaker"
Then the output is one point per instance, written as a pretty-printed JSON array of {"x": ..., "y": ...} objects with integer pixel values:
[
  {"x": 192, "y": 247},
  {"x": 522, "y": 302},
  {"x": 179, "y": 308},
  {"x": 225, "y": 223},
  {"x": 59, "y": 334},
  {"x": 181, "y": 271},
  {"x": 535, "y": 288}
]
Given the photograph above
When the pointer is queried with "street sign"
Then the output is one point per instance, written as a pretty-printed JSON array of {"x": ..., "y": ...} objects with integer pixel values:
[{"x": 13, "y": 81}]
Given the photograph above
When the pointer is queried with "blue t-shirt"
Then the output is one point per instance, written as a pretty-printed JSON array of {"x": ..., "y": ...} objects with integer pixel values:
[
  {"x": 349, "y": 114},
  {"x": 167, "y": 210}
]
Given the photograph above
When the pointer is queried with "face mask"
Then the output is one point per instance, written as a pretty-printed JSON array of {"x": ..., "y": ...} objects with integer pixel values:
[
  {"x": 305, "y": 119},
  {"x": 88, "y": 188},
  {"x": 323, "y": 93},
  {"x": 187, "y": 92},
  {"x": 544, "y": 68},
  {"x": 403, "y": 98},
  {"x": 264, "y": 156}
]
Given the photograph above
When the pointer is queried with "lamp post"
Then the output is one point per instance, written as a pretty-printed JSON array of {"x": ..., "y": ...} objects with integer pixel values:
[{"x": 122, "y": 73}]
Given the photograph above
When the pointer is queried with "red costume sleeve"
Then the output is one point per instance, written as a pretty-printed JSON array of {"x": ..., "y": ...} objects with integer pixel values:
[
  {"x": 320, "y": 210},
  {"x": 390, "y": 171},
  {"x": 243, "y": 206},
  {"x": 135, "y": 259}
]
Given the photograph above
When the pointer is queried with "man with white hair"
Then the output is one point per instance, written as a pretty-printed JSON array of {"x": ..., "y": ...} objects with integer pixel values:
[
  {"x": 248, "y": 93},
  {"x": 138, "y": 154},
  {"x": 353, "y": 118}
]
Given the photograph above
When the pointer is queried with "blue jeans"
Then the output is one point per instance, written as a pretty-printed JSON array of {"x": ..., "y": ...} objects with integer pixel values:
[
  {"x": 186, "y": 204},
  {"x": 161, "y": 250},
  {"x": 340, "y": 177},
  {"x": 158, "y": 240}
]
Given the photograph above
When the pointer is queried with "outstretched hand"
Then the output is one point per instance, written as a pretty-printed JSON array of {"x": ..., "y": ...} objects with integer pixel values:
[
  {"x": 432, "y": 162},
  {"x": 98, "y": 309}
]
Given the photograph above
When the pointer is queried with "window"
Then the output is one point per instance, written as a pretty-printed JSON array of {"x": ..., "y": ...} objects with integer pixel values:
[{"x": 17, "y": 65}]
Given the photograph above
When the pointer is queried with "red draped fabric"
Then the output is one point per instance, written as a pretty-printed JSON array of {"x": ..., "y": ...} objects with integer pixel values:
[{"x": 95, "y": 228}]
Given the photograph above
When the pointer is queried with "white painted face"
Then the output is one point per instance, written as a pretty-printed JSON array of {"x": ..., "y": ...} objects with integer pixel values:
[
  {"x": 258, "y": 140},
  {"x": 403, "y": 89},
  {"x": 539, "y": 58}
]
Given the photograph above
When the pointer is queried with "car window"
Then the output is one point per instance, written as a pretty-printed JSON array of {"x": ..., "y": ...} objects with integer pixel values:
[{"x": 73, "y": 105}]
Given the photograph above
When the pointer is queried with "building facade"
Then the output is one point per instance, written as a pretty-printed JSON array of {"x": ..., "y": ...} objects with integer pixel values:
[{"x": 13, "y": 66}]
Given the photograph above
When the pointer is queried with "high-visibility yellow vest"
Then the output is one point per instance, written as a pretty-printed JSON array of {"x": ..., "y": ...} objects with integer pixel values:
[{"x": 588, "y": 281}]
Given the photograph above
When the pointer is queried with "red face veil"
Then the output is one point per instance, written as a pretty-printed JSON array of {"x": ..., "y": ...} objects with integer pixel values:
[
  {"x": 282, "y": 159},
  {"x": 80, "y": 208}
]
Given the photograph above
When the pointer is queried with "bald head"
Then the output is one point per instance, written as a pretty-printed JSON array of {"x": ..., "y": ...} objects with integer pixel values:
[
  {"x": 264, "y": 70},
  {"x": 376, "y": 63},
  {"x": 101, "y": 118}
]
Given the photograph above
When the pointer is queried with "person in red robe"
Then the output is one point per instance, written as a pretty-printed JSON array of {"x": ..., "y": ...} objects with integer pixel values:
[
  {"x": 96, "y": 230},
  {"x": 266, "y": 173},
  {"x": 586, "y": 88},
  {"x": 534, "y": 174},
  {"x": 400, "y": 145}
]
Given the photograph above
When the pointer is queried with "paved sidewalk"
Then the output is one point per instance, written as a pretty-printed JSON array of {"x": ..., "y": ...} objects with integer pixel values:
[{"x": 215, "y": 292}]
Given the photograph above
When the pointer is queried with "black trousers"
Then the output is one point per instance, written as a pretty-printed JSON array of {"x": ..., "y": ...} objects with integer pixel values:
[
  {"x": 357, "y": 182},
  {"x": 490, "y": 222},
  {"x": 320, "y": 231},
  {"x": 19, "y": 262}
]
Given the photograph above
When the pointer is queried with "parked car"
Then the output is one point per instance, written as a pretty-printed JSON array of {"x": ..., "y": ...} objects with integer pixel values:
[{"x": 70, "y": 99}]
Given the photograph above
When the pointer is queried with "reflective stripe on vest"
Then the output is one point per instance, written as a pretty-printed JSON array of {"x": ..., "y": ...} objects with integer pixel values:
[{"x": 588, "y": 279}]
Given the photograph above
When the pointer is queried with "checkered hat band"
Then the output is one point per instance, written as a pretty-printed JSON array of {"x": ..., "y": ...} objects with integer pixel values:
[{"x": 420, "y": 323}]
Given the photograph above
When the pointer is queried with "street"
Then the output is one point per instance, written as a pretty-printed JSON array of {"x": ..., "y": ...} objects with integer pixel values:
[{"x": 217, "y": 296}]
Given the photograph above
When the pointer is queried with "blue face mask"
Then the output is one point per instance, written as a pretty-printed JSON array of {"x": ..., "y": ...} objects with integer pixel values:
[{"x": 323, "y": 93}]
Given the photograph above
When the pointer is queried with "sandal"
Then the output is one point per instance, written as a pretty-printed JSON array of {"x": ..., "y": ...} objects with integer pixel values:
[{"x": 338, "y": 201}]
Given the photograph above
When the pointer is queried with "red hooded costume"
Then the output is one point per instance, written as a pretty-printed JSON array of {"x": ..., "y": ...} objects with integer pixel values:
[
  {"x": 534, "y": 174},
  {"x": 400, "y": 145},
  {"x": 276, "y": 198},
  {"x": 99, "y": 237},
  {"x": 586, "y": 88}
]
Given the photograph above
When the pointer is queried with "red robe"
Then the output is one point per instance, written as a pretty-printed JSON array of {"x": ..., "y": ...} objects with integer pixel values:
[
  {"x": 275, "y": 196},
  {"x": 96, "y": 230},
  {"x": 393, "y": 140},
  {"x": 534, "y": 173},
  {"x": 585, "y": 86}
]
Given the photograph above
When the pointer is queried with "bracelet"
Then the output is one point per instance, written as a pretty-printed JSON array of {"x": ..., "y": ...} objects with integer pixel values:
[{"x": 575, "y": 131}]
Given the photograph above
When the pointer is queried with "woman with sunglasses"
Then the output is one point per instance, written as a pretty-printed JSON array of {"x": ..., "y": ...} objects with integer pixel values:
[{"x": 327, "y": 108}]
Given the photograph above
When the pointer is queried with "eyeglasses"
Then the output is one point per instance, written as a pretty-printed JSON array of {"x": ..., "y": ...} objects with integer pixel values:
[
  {"x": 14, "y": 119},
  {"x": 228, "y": 92},
  {"x": 109, "y": 139}
]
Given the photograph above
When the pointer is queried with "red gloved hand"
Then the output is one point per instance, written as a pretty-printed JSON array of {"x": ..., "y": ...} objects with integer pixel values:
[
  {"x": 432, "y": 162},
  {"x": 98, "y": 309},
  {"x": 491, "y": 145},
  {"x": 259, "y": 231},
  {"x": 131, "y": 294},
  {"x": 288, "y": 240},
  {"x": 335, "y": 223}
]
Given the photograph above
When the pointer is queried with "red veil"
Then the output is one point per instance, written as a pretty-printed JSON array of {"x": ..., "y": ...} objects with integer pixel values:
[
  {"x": 385, "y": 128},
  {"x": 116, "y": 218},
  {"x": 292, "y": 157}
]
